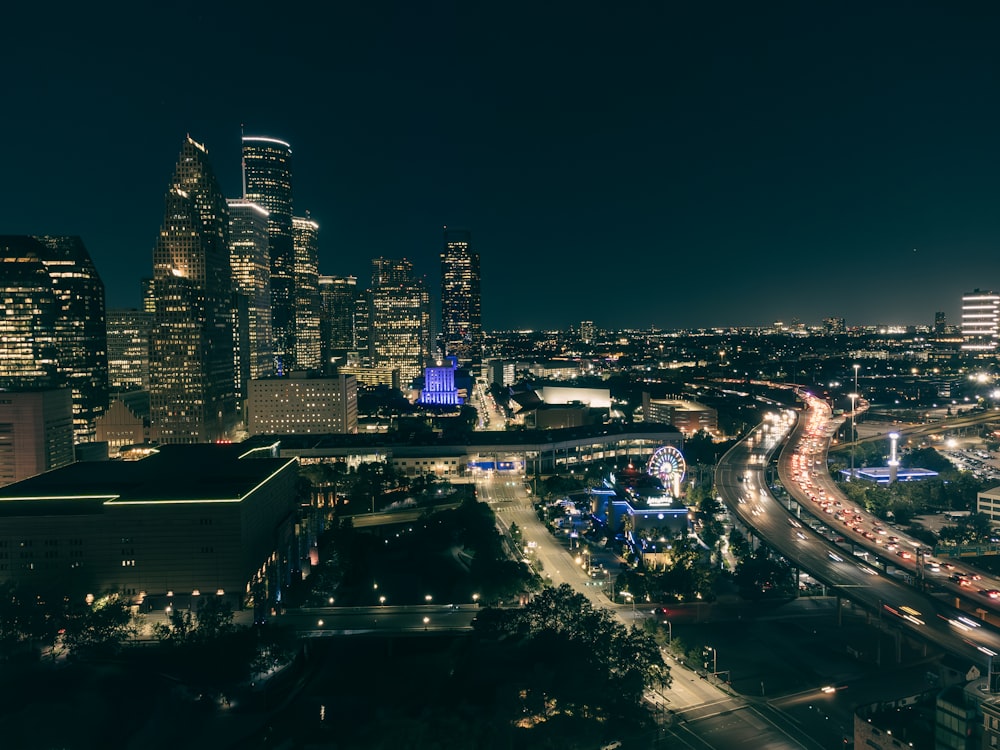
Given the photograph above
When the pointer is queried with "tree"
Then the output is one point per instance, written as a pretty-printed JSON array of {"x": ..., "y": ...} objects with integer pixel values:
[
  {"x": 99, "y": 628},
  {"x": 761, "y": 575},
  {"x": 177, "y": 630},
  {"x": 559, "y": 625},
  {"x": 971, "y": 529},
  {"x": 215, "y": 618}
]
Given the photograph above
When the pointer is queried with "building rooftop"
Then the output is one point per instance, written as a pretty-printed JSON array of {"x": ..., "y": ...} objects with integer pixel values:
[{"x": 174, "y": 473}]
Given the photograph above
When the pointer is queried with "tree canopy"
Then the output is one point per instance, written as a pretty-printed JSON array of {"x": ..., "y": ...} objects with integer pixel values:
[{"x": 564, "y": 656}]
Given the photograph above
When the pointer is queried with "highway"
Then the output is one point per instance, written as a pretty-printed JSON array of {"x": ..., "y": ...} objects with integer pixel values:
[
  {"x": 740, "y": 481},
  {"x": 802, "y": 471}
]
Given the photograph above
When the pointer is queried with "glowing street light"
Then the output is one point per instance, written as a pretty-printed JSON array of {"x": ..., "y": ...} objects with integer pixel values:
[{"x": 853, "y": 397}]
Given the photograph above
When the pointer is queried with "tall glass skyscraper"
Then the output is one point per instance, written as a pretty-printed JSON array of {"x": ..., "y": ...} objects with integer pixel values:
[
  {"x": 267, "y": 181},
  {"x": 250, "y": 257},
  {"x": 399, "y": 319},
  {"x": 338, "y": 298},
  {"x": 53, "y": 331},
  {"x": 461, "y": 318},
  {"x": 192, "y": 398},
  {"x": 307, "y": 314}
]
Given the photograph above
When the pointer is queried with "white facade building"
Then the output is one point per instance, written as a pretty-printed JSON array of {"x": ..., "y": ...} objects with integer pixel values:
[
  {"x": 300, "y": 405},
  {"x": 980, "y": 321}
]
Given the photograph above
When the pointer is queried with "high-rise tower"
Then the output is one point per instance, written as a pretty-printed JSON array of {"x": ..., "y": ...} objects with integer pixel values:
[
  {"x": 399, "y": 324},
  {"x": 461, "y": 319},
  {"x": 980, "y": 321},
  {"x": 191, "y": 374},
  {"x": 337, "y": 295},
  {"x": 53, "y": 331},
  {"x": 249, "y": 255},
  {"x": 307, "y": 314},
  {"x": 267, "y": 181}
]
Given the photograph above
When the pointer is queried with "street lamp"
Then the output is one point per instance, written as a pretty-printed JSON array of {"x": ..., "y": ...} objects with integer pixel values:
[
  {"x": 428, "y": 598},
  {"x": 670, "y": 630},
  {"x": 715, "y": 659},
  {"x": 628, "y": 595},
  {"x": 381, "y": 601},
  {"x": 853, "y": 397},
  {"x": 426, "y": 620},
  {"x": 475, "y": 598}
]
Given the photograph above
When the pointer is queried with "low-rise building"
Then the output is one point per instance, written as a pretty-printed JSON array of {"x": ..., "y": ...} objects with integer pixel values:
[
  {"x": 988, "y": 503},
  {"x": 687, "y": 416},
  {"x": 303, "y": 405},
  {"x": 183, "y": 522},
  {"x": 126, "y": 422}
]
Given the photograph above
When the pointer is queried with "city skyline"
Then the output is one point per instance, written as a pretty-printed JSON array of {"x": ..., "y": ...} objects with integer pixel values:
[{"x": 673, "y": 167}]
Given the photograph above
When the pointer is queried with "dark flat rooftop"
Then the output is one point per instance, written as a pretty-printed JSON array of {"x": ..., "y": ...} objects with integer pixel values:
[{"x": 174, "y": 473}]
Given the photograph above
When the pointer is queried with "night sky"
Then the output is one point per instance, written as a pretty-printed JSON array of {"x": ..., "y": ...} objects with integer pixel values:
[{"x": 670, "y": 164}]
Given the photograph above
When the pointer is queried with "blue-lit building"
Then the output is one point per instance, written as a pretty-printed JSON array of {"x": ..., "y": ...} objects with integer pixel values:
[
  {"x": 881, "y": 474},
  {"x": 440, "y": 388}
]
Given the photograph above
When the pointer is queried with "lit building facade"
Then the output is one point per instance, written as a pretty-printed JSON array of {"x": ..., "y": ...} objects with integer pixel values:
[
  {"x": 307, "y": 310},
  {"x": 439, "y": 385},
  {"x": 267, "y": 181},
  {"x": 249, "y": 257},
  {"x": 461, "y": 314},
  {"x": 501, "y": 372},
  {"x": 36, "y": 432},
  {"x": 988, "y": 503},
  {"x": 128, "y": 349},
  {"x": 587, "y": 331},
  {"x": 192, "y": 391},
  {"x": 362, "y": 328},
  {"x": 980, "y": 321},
  {"x": 28, "y": 347},
  {"x": 53, "y": 330},
  {"x": 126, "y": 422},
  {"x": 687, "y": 416},
  {"x": 399, "y": 321},
  {"x": 303, "y": 405}
]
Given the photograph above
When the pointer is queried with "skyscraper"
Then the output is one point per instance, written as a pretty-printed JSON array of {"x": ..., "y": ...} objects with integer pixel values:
[
  {"x": 249, "y": 255},
  {"x": 191, "y": 375},
  {"x": 337, "y": 296},
  {"x": 53, "y": 332},
  {"x": 461, "y": 319},
  {"x": 399, "y": 324},
  {"x": 980, "y": 321},
  {"x": 128, "y": 349},
  {"x": 267, "y": 181},
  {"x": 307, "y": 314}
]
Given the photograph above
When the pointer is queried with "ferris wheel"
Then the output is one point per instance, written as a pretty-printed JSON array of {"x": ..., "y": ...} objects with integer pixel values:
[{"x": 667, "y": 465}]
